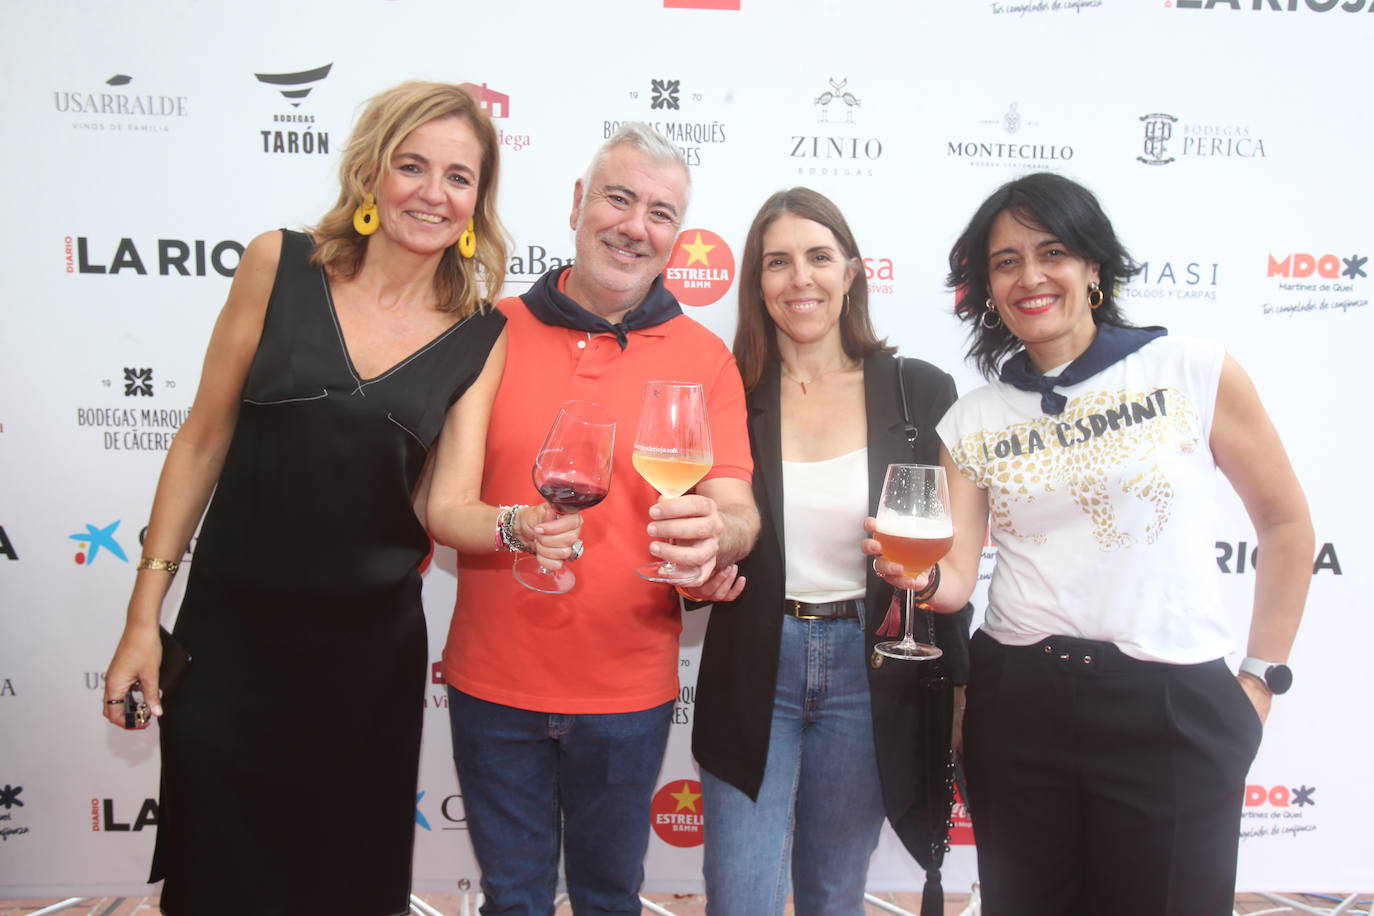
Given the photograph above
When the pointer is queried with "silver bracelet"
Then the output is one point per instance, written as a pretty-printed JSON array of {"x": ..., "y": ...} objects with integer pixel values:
[{"x": 505, "y": 528}]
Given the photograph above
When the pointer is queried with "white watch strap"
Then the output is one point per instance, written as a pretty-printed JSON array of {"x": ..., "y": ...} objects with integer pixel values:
[{"x": 1256, "y": 667}]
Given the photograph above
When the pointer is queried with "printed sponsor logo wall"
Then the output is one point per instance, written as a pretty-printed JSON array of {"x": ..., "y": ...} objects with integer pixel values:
[{"x": 145, "y": 150}]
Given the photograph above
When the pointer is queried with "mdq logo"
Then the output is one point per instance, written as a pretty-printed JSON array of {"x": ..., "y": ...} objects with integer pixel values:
[
  {"x": 1330, "y": 266},
  {"x": 1279, "y": 796},
  {"x": 95, "y": 539}
]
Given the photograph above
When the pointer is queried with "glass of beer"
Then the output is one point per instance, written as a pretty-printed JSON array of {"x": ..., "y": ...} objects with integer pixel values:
[
  {"x": 672, "y": 452},
  {"x": 915, "y": 530}
]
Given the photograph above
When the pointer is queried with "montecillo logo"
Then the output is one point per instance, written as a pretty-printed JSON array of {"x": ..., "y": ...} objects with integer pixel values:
[{"x": 295, "y": 88}]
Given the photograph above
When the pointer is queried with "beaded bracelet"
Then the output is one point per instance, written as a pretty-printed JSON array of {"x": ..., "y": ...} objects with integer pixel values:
[{"x": 505, "y": 530}]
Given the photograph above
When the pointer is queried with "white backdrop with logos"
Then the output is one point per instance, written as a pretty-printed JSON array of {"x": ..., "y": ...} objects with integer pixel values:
[{"x": 149, "y": 141}]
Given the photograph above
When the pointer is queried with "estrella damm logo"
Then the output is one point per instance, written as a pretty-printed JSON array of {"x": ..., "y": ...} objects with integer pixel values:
[
  {"x": 701, "y": 269},
  {"x": 676, "y": 813}
]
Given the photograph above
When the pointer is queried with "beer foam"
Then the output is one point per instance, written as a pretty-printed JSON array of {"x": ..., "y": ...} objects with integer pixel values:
[{"x": 906, "y": 526}]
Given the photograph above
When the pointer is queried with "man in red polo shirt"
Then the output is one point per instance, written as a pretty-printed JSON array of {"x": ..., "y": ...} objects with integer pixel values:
[{"x": 560, "y": 704}]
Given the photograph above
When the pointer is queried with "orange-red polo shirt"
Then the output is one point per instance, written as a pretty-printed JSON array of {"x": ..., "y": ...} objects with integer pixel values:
[{"x": 611, "y": 644}]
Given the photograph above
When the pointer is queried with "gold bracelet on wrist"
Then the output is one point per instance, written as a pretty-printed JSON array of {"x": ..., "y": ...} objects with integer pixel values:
[{"x": 168, "y": 566}]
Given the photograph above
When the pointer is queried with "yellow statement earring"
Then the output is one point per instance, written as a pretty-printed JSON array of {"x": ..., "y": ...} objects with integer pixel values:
[
  {"x": 467, "y": 242},
  {"x": 365, "y": 220}
]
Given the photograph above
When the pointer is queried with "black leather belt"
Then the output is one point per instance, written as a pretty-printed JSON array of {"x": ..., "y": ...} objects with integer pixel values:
[{"x": 829, "y": 610}]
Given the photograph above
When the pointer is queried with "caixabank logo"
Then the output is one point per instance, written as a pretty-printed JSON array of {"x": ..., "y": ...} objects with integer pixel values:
[
  {"x": 1274, "y": 6},
  {"x": 1166, "y": 139},
  {"x": 701, "y": 269},
  {"x": 293, "y": 130},
  {"x": 1174, "y": 279},
  {"x": 1012, "y": 140},
  {"x": 677, "y": 109},
  {"x": 447, "y": 813},
  {"x": 531, "y": 262},
  {"x": 1317, "y": 282},
  {"x": 169, "y": 257},
  {"x": 837, "y": 139},
  {"x": 123, "y": 105},
  {"x": 497, "y": 105},
  {"x": 676, "y": 815},
  {"x": 97, "y": 541},
  {"x": 1278, "y": 811}
]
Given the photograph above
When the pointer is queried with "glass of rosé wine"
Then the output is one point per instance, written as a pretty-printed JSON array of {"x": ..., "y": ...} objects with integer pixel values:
[{"x": 915, "y": 530}]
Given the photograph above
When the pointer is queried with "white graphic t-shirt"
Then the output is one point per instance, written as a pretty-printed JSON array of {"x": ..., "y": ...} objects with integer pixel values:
[{"x": 1103, "y": 516}]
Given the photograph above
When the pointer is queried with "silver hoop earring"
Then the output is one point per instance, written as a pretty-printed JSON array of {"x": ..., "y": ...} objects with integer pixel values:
[{"x": 996, "y": 318}]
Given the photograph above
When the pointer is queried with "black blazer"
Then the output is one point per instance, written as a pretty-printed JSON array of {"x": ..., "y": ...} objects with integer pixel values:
[{"x": 739, "y": 661}]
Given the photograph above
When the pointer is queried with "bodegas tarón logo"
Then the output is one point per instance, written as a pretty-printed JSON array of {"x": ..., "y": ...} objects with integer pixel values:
[
  {"x": 119, "y": 109},
  {"x": 701, "y": 268},
  {"x": 302, "y": 136}
]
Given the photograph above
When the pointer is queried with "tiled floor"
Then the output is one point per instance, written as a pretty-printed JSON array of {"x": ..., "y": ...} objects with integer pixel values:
[{"x": 679, "y": 905}]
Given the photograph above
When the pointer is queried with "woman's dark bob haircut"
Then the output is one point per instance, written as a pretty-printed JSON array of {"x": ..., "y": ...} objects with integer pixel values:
[
  {"x": 756, "y": 342},
  {"x": 1061, "y": 207}
]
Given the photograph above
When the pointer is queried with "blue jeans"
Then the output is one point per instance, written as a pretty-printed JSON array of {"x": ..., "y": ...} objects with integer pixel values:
[
  {"x": 820, "y": 808},
  {"x": 530, "y": 779}
]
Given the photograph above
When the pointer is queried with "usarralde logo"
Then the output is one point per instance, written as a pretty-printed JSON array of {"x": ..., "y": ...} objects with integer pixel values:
[
  {"x": 117, "y": 109},
  {"x": 701, "y": 269},
  {"x": 676, "y": 813}
]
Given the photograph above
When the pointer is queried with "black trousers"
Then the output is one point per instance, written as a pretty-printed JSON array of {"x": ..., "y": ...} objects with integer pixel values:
[{"x": 1102, "y": 784}]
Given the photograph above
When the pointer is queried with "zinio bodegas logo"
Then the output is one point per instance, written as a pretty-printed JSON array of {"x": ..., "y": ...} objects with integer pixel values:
[
  {"x": 701, "y": 268},
  {"x": 836, "y": 146}
]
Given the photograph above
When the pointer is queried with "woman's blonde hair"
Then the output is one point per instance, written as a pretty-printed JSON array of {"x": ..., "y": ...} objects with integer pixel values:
[{"x": 461, "y": 285}]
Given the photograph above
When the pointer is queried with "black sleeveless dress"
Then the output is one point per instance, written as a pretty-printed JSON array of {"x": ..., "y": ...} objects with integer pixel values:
[{"x": 289, "y": 754}]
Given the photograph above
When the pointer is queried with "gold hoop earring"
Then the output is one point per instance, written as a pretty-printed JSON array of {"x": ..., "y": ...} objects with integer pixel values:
[
  {"x": 467, "y": 242},
  {"x": 365, "y": 220},
  {"x": 996, "y": 318},
  {"x": 1095, "y": 290}
]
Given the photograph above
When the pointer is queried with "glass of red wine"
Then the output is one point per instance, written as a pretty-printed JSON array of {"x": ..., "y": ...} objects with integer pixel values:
[{"x": 573, "y": 472}]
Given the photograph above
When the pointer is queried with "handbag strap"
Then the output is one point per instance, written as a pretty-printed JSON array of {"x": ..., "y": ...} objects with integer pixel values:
[{"x": 909, "y": 427}]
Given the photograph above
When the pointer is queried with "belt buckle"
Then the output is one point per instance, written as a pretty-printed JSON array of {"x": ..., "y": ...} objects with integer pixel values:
[{"x": 796, "y": 612}]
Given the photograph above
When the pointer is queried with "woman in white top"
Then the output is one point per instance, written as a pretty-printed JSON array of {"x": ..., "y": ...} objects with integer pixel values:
[
  {"x": 803, "y": 747},
  {"x": 1105, "y": 741}
]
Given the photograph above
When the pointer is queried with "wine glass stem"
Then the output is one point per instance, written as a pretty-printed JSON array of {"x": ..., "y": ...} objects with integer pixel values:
[{"x": 909, "y": 638}]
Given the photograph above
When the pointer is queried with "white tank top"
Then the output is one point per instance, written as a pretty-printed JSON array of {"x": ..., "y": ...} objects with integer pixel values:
[{"x": 823, "y": 513}]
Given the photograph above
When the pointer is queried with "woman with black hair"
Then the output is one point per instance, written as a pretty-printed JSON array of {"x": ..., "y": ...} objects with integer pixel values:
[{"x": 1105, "y": 740}]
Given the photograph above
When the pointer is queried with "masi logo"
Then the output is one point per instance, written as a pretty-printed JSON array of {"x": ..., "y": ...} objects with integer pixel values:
[
  {"x": 118, "y": 109},
  {"x": 844, "y": 154},
  {"x": 295, "y": 88},
  {"x": 1166, "y": 139},
  {"x": 1174, "y": 280}
]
